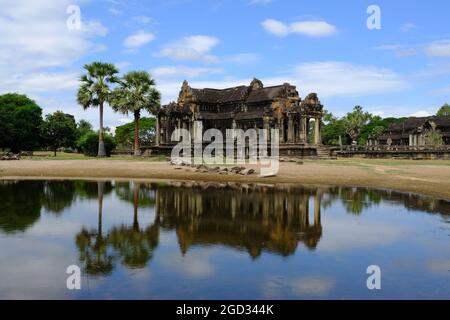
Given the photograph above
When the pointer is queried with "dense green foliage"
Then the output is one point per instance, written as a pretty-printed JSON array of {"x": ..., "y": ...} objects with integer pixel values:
[
  {"x": 125, "y": 134},
  {"x": 444, "y": 110},
  {"x": 355, "y": 121},
  {"x": 59, "y": 130},
  {"x": 89, "y": 144},
  {"x": 20, "y": 123},
  {"x": 355, "y": 126},
  {"x": 376, "y": 125}
]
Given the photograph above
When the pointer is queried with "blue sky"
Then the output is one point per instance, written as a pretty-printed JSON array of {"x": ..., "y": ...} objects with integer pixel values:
[{"x": 401, "y": 69}]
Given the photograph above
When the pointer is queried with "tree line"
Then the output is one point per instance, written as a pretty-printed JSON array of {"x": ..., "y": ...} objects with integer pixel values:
[
  {"x": 23, "y": 128},
  {"x": 357, "y": 126}
]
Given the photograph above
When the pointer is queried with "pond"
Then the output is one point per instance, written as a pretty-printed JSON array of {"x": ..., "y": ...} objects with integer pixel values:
[{"x": 136, "y": 240}]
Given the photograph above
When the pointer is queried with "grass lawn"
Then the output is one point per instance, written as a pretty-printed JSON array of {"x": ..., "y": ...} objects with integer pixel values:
[{"x": 382, "y": 162}]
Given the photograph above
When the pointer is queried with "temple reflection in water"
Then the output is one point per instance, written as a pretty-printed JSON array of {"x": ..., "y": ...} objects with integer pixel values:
[{"x": 253, "y": 220}]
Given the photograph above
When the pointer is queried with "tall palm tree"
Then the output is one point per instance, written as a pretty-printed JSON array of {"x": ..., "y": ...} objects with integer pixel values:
[
  {"x": 136, "y": 93},
  {"x": 95, "y": 90}
]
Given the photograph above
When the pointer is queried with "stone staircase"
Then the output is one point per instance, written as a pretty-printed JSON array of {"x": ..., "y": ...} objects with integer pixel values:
[{"x": 323, "y": 153}]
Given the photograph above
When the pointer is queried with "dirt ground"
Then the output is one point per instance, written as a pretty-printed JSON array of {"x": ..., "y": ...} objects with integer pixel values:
[{"x": 429, "y": 178}]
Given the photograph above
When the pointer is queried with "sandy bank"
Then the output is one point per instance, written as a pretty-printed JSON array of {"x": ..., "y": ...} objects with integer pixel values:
[{"x": 429, "y": 179}]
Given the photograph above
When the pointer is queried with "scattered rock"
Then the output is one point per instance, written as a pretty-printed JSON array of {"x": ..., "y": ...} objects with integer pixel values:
[
  {"x": 247, "y": 172},
  {"x": 10, "y": 156}
]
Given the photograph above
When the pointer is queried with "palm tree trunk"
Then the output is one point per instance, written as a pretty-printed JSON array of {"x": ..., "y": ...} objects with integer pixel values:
[
  {"x": 101, "y": 188},
  {"x": 101, "y": 141},
  {"x": 136, "y": 206},
  {"x": 137, "y": 149}
]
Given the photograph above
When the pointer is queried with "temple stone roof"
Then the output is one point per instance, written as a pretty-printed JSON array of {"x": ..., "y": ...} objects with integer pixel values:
[
  {"x": 416, "y": 122},
  {"x": 212, "y": 104}
]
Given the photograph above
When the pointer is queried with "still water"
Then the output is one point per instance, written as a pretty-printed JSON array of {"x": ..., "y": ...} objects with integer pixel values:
[{"x": 170, "y": 241}]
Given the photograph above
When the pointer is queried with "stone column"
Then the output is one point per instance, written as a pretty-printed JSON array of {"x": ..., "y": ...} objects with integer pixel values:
[
  {"x": 158, "y": 130},
  {"x": 317, "y": 203},
  {"x": 281, "y": 124},
  {"x": 317, "y": 137},
  {"x": 290, "y": 129},
  {"x": 303, "y": 133},
  {"x": 411, "y": 141},
  {"x": 307, "y": 130},
  {"x": 421, "y": 140}
]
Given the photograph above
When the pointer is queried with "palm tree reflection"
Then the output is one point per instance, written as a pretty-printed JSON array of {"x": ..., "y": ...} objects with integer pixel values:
[
  {"x": 93, "y": 247},
  {"x": 134, "y": 245}
]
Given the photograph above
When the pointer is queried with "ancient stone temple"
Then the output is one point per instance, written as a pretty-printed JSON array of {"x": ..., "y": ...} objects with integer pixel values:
[
  {"x": 246, "y": 107},
  {"x": 415, "y": 132}
]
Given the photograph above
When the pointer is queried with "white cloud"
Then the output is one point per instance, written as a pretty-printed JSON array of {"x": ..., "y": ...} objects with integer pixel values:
[
  {"x": 137, "y": 40},
  {"x": 399, "y": 50},
  {"x": 122, "y": 64},
  {"x": 313, "y": 29},
  {"x": 34, "y": 37},
  {"x": 442, "y": 91},
  {"x": 197, "y": 48},
  {"x": 275, "y": 27},
  {"x": 34, "y": 34},
  {"x": 420, "y": 113},
  {"x": 341, "y": 79},
  {"x": 329, "y": 79},
  {"x": 142, "y": 19},
  {"x": 407, "y": 27},
  {"x": 184, "y": 72},
  {"x": 44, "y": 82},
  {"x": 438, "y": 49},
  {"x": 242, "y": 58}
]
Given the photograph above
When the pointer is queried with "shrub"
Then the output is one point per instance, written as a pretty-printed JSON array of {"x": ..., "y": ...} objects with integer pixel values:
[{"x": 89, "y": 144}]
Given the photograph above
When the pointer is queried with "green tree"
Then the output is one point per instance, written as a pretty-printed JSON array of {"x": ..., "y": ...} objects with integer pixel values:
[
  {"x": 135, "y": 94},
  {"x": 20, "y": 206},
  {"x": 20, "y": 122},
  {"x": 83, "y": 128},
  {"x": 355, "y": 121},
  {"x": 444, "y": 111},
  {"x": 59, "y": 130},
  {"x": 89, "y": 144},
  {"x": 95, "y": 90},
  {"x": 125, "y": 134},
  {"x": 434, "y": 138},
  {"x": 376, "y": 125},
  {"x": 332, "y": 129}
]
